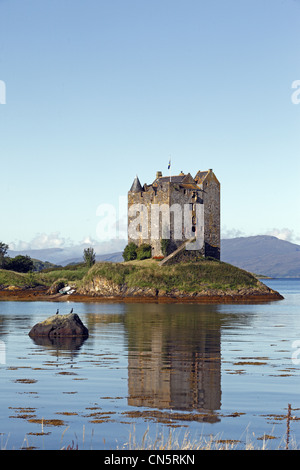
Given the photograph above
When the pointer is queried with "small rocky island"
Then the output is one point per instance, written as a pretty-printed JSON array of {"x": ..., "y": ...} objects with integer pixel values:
[
  {"x": 201, "y": 281},
  {"x": 208, "y": 281},
  {"x": 60, "y": 326}
]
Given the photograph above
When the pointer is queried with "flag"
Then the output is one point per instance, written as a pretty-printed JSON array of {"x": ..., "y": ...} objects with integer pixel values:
[{"x": 169, "y": 166}]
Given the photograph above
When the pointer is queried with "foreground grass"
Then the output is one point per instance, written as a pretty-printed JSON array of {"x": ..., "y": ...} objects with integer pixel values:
[{"x": 174, "y": 440}]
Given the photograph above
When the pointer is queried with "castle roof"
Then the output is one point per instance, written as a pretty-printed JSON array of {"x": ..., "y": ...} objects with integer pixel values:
[
  {"x": 200, "y": 176},
  {"x": 172, "y": 179},
  {"x": 184, "y": 181},
  {"x": 136, "y": 186},
  {"x": 189, "y": 185},
  {"x": 182, "y": 178}
]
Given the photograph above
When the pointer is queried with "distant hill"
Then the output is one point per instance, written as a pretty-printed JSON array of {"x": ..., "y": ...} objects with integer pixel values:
[
  {"x": 263, "y": 254},
  {"x": 40, "y": 265},
  {"x": 52, "y": 255},
  {"x": 112, "y": 257},
  {"x": 74, "y": 254},
  {"x": 57, "y": 256}
]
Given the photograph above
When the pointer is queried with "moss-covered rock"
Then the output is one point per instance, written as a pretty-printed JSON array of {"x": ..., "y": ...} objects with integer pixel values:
[{"x": 60, "y": 326}]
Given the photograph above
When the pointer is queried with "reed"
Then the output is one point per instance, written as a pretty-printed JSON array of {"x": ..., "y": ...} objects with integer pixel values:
[
  {"x": 288, "y": 420},
  {"x": 174, "y": 440}
]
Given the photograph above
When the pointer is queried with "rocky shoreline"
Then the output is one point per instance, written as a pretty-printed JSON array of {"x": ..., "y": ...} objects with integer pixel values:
[{"x": 122, "y": 294}]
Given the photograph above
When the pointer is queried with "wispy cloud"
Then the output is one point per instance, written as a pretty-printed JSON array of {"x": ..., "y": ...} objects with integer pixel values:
[
  {"x": 284, "y": 234},
  {"x": 232, "y": 233},
  {"x": 41, "y": 241}
]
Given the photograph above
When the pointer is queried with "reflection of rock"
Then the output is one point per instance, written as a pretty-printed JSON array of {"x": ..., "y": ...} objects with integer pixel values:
[
  {"x": 69, "y": 343},
  {"x": 60, "y": 326}
]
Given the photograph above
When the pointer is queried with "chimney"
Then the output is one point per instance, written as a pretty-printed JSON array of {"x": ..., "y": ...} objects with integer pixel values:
[{"x": 158, "y": 174}]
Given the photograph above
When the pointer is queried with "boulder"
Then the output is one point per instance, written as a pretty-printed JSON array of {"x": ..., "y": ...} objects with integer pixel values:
[
  {"x": 55, "y": 287},
  {"x": 60, "y": 326}
]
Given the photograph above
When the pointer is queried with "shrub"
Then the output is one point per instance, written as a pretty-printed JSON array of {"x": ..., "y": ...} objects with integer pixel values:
[
  {"x": 164, "y": 244},
  {"x": 19, "y": 264},
  {"x": 130, "y": 252},
  {"x": 143, "y": 251}
]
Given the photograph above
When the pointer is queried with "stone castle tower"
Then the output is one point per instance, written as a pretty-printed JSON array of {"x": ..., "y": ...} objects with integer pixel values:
[{"x": 178, "y": 209}]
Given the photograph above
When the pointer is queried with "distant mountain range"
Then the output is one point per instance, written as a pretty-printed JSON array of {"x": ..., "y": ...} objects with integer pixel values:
[
  {"x": 71, "y": 254},
  {"x": 261, "y": 254}
]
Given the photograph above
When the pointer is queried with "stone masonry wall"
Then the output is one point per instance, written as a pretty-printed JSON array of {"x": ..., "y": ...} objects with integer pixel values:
[
  {"x": 211, "y": 198},
  {"x": 170, "y": 194}
]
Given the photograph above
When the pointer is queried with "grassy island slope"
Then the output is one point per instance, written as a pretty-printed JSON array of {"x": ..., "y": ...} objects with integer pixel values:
[{"x": 205, "y": 280}]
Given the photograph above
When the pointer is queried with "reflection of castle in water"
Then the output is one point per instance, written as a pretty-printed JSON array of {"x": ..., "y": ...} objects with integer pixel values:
[{"x": 174, "y": 358}]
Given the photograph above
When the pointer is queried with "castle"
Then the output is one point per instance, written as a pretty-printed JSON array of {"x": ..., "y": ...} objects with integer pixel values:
[{"x": 177, "y": 209}]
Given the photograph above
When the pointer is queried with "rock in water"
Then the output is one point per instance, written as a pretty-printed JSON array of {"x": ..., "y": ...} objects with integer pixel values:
[{"x": 60, "y": 326}]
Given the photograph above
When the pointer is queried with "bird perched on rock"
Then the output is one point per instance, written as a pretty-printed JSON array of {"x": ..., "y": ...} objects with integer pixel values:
[
  {"x": 57, "y": 311},
  {"x": 71, "y": 311}
]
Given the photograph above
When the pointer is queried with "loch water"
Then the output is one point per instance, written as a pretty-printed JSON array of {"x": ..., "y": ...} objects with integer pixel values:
[{"x": 227, "y": 371}]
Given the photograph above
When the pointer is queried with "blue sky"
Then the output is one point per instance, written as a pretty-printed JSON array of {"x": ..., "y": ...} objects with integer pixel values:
[{"x": 98, "y": 91}]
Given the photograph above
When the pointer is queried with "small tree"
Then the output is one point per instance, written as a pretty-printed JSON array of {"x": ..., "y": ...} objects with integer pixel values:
[
  {"x": 3, "y": 251},
  {"x": 89, "y": 256},
  {"x": 130, "y": 252}
]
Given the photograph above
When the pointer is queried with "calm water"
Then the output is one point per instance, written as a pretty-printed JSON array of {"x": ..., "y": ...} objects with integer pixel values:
[{"x": 222, "y": 370}]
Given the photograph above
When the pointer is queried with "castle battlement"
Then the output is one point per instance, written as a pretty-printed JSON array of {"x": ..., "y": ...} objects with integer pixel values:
[{"x": 176, "y": 208}]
